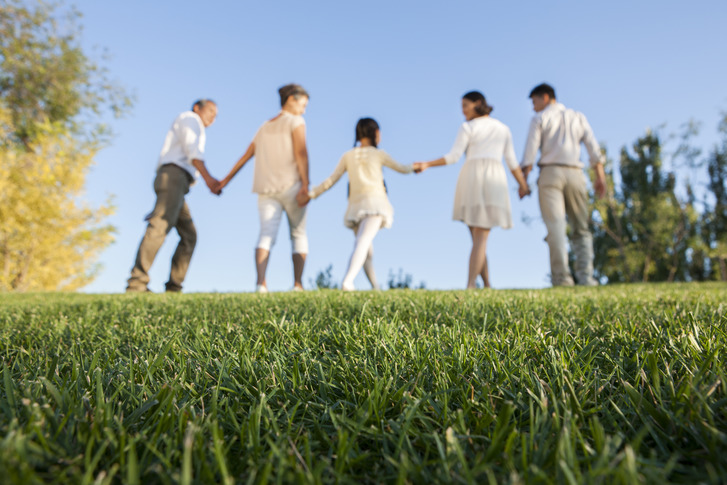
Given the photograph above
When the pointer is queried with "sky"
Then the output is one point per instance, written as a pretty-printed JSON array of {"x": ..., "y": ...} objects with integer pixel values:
[{"x": 628, "y": 66}]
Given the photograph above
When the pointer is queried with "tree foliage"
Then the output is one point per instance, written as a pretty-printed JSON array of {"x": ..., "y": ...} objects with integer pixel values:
[
  {"x": 46, "y": 77},
  {"x": 48, "y": 239},
  {"x": 644, "y": 232},
  {"x": 715, "y": 219},
  {"x": 52, "y": 96}
]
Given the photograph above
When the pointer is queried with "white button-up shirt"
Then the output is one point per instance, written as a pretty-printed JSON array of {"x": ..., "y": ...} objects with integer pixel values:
[
  {"x": 558, "y": 132},
  {"x": 184, "y": 142}
]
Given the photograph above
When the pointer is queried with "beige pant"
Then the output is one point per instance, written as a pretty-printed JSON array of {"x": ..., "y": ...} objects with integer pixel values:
[
  {"x": 562, "y": 194},
  {"x": 171, "y": 185}
]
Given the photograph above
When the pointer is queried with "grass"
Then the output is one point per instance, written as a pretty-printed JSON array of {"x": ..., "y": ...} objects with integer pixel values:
[{"x": 620, "y": 384}]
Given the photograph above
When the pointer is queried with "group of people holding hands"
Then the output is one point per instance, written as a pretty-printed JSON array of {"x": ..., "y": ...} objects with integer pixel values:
[{"x": 481, "y": 198}]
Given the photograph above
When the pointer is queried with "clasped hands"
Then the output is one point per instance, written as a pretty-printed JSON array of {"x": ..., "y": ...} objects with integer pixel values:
[{"x": 214, "y": 185}]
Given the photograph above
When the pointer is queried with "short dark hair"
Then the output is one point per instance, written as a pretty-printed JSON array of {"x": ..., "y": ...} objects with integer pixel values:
[
  {"x": 481, "y": 106},
  {"x": 200, "y": 103},
  {"x": 295, "y": 90},
  {"x": 542, "y": 89},
  {"x": 366, "y": 128}
]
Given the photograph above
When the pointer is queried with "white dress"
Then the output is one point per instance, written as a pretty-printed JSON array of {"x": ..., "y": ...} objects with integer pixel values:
[
  {"x": 481, "y": 198},
  {"x": 367, "y": 195}
]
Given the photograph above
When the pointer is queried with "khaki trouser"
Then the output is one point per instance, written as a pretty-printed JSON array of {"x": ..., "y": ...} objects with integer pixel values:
[
  {"x": 171, "y": 185},
  {"x": 562, "y": 193}
]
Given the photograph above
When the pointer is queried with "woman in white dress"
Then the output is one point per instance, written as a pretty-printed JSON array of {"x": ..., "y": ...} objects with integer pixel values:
[
  {"x": 368, "y": 206},
  {"x": 281, "y": 181},
  {"x": 481, "y": 198}
]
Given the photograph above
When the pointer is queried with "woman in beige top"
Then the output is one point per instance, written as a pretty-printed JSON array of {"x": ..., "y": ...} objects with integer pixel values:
[
  {"x": 368, "y": 206},
  {"x": 280, "y": 180}
]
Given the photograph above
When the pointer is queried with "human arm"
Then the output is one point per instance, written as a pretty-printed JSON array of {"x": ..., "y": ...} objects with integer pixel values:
[
  {"x": 531, "y": 146},
  {"x": 599, "y": 183},
  {"x": 596, "y": 158},
  {"x": 387, "y": 161},
  {"x": 212, "y": 183},
  {"x": 419, "y": 167},
  {"x": 190, "y": 131},
  {"x": 511, "y": 161},
  {"x": 458, "y": 148},
  {"x": 300, "y": 153},
  {"x": 330, "y": 181},
  {"x": 249, "y": 153}
]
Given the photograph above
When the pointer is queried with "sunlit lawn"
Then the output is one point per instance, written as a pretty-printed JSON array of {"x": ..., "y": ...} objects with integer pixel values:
[{"x": 613, "y": 384}]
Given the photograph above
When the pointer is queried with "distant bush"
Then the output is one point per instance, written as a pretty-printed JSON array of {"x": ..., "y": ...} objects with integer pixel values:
[
  {"x": 324, "y": 279},
  {"x": 402, "y": 281}
]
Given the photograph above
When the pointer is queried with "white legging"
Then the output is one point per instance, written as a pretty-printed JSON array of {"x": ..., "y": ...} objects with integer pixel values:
[{"x": 367, "y": 229}]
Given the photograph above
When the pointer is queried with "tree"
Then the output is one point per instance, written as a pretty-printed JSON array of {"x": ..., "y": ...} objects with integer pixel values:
[
  {"x": 403, "y": 281},
  {"x": 715, "y": 220},
  {"x": 52, "y": 96},
  {"x": 643, "y": 232},
  {"x": 47, "y": 239},
  {"x": 324, "y": 279}
]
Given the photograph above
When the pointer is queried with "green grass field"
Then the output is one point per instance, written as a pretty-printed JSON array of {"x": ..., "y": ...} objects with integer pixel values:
[{"x": 618, "y": 384}]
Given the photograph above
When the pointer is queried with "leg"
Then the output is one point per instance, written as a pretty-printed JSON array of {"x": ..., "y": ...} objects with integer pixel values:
[
  {"x": 486, "y": 274},
  {"x": 576, "y": 206},
  {"x": 170, "y": 186},
  {"x": 271, "y": 212},
  {"x": 367, "y": 230},
  {"x": 368, "y": 267},
  {"x": 298, "y": 264},
  {"x": 298, "y": 237},
  {"x": 552, "y": 208},
  {"x": 185, "y": 248},
  {"x": 478, "y": 256},
  {"x": 261, "y": 265}
]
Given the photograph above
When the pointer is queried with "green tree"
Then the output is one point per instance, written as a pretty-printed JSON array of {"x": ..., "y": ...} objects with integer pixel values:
[
  {"x": 52, "y": 97},
  {"x": 642, "y": 231},
  {"x": 715, "y": 218}
]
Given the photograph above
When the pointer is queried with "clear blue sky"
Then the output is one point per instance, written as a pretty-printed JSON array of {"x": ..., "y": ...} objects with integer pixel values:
[{"x": 627, "y": 65}]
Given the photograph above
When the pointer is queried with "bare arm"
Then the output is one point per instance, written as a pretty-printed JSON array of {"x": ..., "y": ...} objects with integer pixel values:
[
  {"x": 523, "y": 190},
  {"x": 300, "y": 152},
  {"x": 459, "y": 147},
  {"x": 212, "y": 183},
  {"x": 240, "y": 163},
  {"x": 419, "y": 167},
  {"x": 599, "y": 184},
  {"x": 511, "y": 161},
  {"x": 596, "y": 158}
]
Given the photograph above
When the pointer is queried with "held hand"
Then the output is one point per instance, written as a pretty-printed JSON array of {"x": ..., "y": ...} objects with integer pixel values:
[
  {"x": 302, "y": 197},
  {"x": 214, "y": 185},
  {"x": 523, "y": 191},
  {"x": 419, "y": 167}
]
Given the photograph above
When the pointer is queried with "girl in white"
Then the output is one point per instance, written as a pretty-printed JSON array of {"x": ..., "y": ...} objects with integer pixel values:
[
  {"x": 368, "y": 206},
  {"x": 481, "y": 198}
]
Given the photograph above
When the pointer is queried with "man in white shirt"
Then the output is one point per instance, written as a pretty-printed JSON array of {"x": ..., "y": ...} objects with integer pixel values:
[
  {"x": 558, "y": 133},
  {"x": 180, "y": 162}
]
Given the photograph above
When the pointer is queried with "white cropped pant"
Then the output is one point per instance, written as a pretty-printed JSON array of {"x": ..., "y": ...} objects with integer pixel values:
[{"x": 271, "y": 208}]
